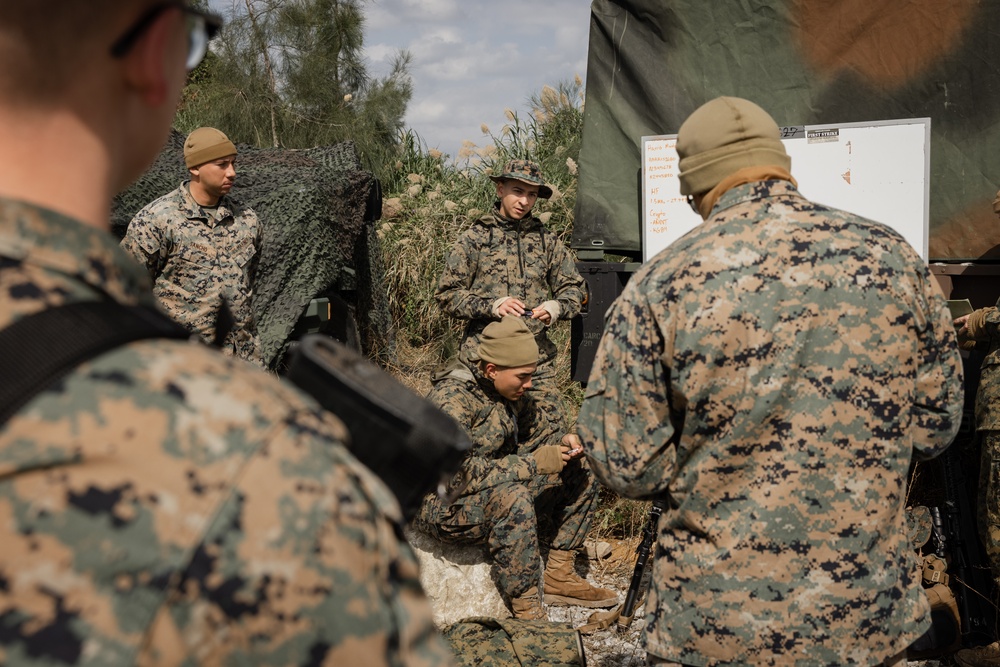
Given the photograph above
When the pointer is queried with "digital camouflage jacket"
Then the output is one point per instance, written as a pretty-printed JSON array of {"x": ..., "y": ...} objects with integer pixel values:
[
  {"x": 197, "y": 257},
  {"x": 771, "y": 374},
  {"x": 503, "y": 433},
  {"x": 164, "y": 504},
  {"x": 499, "y": 257}
]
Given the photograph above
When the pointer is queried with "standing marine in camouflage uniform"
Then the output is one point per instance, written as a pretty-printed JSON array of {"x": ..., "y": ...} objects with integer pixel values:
[
  {"x": 201, "y": 247},
  {"x": 508, "y": 263},
  {"x": 162, "y": 504},
  {"x": 770, "y": 375},
  {"x": 514, "y": 476},
  {"x": 982, "y": 329}
]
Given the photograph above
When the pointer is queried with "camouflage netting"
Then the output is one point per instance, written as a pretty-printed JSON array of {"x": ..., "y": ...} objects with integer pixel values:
[
  {"x": 807, "y": 62},
  {"x": 311, "y": 204}
]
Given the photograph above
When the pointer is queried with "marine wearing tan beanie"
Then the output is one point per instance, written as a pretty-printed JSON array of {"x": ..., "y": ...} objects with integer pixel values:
[
  {"x": 723, "y": 136},
  {"x": 508, "y": 343},
  {"x": 206, "y": 144}
]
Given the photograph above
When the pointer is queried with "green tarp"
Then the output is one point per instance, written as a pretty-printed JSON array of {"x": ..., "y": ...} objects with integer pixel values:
[{"x": 652, "y": 62}]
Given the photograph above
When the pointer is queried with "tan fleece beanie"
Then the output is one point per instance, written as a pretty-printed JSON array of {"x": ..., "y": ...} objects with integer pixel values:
[
  {"x": 508, "y": 343},
  {"x": 206, "y": 144},
  {"x": 723, "y": 136}
]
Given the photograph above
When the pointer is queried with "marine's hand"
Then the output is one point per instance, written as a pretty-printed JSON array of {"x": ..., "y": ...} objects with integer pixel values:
[
  {"x": 549, "y": 459},
  {"x": 961, "y": 324},
  {"x": 511, "y": 306},
  {"x": 540, "y": 313},
  {"x": 571, "y": 446}
]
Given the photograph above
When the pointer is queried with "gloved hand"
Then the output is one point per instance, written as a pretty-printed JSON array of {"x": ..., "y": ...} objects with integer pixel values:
[{"x": 549, "y": 459}]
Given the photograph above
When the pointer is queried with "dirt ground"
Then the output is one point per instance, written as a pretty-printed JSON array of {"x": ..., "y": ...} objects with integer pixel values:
[{"x": 616, "y": 647}]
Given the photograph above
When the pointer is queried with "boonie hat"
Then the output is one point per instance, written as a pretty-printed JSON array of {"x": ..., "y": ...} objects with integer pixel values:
[
  {"x": 508, "y": 343},
  {"x": 723, "y": 136},
  {"x": 525, "y": 171},
  {"x": 206, "y": 144}
]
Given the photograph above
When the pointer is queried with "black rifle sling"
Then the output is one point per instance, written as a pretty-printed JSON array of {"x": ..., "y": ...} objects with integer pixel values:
[{"x": 42, "y": 348}]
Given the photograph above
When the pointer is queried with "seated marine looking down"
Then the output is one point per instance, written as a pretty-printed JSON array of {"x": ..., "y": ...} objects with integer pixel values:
[{"x": 525, "y": 483}]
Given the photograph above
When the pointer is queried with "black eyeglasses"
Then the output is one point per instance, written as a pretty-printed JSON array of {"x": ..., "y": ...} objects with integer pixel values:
[{"x": 202, "y": 27}]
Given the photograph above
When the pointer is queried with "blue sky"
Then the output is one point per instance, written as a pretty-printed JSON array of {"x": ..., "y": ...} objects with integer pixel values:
[{"x": 472, "y": 59}]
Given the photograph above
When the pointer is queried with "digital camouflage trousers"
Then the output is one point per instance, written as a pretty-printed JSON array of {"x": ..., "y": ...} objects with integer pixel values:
[{"x": 515, "y": 520}]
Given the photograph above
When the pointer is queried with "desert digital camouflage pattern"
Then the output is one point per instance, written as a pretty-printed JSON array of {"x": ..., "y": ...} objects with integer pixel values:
[
  {"x": 499, "y": 257},
  {"x": 652, "y": 63},
  {"x": 197, "y": 257},
  {"x": 168, "y": 505},
  {"x": 771, "y": 374},
  {"x": 497, "y": 506}
]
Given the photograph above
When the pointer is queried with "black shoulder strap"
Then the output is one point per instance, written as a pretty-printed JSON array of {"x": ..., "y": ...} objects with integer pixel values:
[{"x": 39, "y": 349}]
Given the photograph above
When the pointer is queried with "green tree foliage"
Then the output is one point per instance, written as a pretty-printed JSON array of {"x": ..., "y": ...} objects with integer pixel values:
[{"x": 290, "y": 73}]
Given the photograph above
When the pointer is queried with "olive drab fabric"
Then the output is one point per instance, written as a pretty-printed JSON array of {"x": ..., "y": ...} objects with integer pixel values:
[
  {"x": 652, "y": 63},
  {"x": 771, "y": 375},
  {"x": 164, "y": 504},
  {"x": 199, "y": 258}
]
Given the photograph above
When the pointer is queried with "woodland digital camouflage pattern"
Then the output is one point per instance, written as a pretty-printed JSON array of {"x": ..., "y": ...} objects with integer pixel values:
[
  {"x": 499, "y": 257},
  {"x": 771, "y": 374},
  {"x": 498, "y": 506},
  {"x": 507, "y": 642},
  {"x": 651, "y": 63},
  {"x": 167, "y": 505},
  {"x": 197, "y": 258}
]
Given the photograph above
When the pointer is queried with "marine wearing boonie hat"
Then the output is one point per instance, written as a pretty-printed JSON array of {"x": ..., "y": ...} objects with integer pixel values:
[
  {"x": 525, "y": 171},
  {"x": 508, "y": 343},
  {"x": 206, "y": 144}
]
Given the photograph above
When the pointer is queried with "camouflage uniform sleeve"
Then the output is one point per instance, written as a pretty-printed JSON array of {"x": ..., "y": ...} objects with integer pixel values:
[
  {"x": 939, "y": 397},
  {"x": 625, "y": 422},
  {"x": 479, "y": 472},
  {"x": 454, "y": 292},
  {"x": 565, "y": 282},
  {"x": 144, "y": 240}
]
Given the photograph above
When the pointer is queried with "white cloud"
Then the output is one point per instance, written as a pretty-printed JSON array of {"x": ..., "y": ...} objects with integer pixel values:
[{"x": 473, "y": 59}]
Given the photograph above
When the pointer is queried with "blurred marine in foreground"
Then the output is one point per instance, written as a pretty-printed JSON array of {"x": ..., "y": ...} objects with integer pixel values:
[
  {"x": 162, "y": 504},
  {"x": 770, "y": 375}
]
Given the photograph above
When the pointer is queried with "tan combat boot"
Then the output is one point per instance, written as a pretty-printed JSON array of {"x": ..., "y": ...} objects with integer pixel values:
[
  {"x": 563, "y": 586},
  {"x": 981, "y": 656},
  {"x": 528, "y": 607}
]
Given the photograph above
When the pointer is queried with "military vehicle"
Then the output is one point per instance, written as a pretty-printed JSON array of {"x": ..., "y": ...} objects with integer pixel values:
[
  {"x": 320, "y": 267},
  {"x": 810, "y": 62}
]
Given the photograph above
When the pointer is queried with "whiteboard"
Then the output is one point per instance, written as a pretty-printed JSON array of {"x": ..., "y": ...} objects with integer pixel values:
[{"x": 878, "y": 170}]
